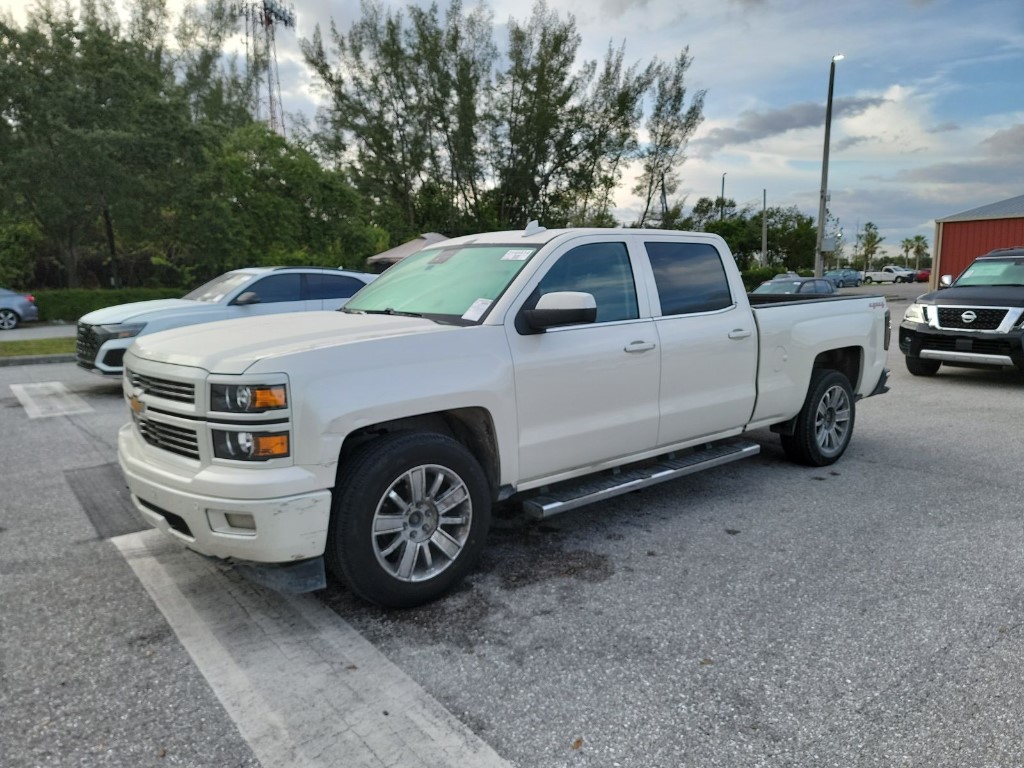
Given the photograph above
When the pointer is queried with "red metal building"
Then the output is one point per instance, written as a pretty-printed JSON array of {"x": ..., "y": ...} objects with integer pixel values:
[{"x": 960, "y": 238}]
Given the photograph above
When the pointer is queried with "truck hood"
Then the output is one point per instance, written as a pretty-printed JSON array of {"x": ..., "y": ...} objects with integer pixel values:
[
  {"x": 232, "y": 346},
  {"x": 141, "y": 311},
  {"x": 978, "y": 295}
]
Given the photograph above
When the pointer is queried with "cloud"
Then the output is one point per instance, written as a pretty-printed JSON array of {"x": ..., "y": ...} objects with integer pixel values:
[
  {"x": 1009, "y": 141},
  {"x": 621, "y": 7},
  {"x": 753, "y": 126}
]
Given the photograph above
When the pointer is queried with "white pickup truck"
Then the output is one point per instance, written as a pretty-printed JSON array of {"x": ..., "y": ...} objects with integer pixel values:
[
  {"x": 553, "y": 367},
  {"x": 891, "y": 274}
]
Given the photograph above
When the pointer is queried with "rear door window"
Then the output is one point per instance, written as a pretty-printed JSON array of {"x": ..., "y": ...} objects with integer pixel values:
[
  {"x": 690, "y": 277},
  {"x": 331, "y": 286}
]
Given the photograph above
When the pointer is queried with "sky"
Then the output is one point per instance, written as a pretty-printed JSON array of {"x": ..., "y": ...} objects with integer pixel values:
[{"x": 928, "y": 101}]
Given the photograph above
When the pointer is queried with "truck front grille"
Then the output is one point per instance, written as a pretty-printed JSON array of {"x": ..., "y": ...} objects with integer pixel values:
[
  {"x": 178, "y": 391},
  {"x": 986, "y": 318},
  {"x": 179, "y": 440}
]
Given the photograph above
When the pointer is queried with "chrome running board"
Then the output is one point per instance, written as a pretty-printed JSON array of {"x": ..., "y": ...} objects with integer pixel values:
[{"x": 576, "y": 493}]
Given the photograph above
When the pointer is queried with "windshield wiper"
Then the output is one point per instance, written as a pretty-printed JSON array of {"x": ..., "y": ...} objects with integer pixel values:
[{"x": 388, "y": 311}]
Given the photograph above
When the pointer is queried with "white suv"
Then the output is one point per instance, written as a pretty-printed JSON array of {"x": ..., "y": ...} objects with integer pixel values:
[{"x": 105, "y": 334}]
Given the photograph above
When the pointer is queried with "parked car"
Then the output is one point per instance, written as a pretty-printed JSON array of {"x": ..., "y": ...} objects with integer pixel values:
[
  {"x": 816, "y": 285},
  {"x": 890, "y": 274},
  {"x": 104, "y": 335},
  {"x": 924, "y": 275},
  {"x": 841, "y": 278},
  {"x": 16, "y": 308},
  {"x": 974, "y": 321}
]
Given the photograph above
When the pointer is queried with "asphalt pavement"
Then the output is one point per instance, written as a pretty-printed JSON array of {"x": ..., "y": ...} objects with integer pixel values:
[{"x": 870, "y": 613}]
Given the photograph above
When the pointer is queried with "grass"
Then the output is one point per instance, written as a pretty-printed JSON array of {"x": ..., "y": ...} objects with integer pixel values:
[{"x": 60, "y": 346}]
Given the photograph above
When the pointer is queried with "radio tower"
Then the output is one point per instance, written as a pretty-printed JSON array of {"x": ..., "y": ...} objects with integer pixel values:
[{"x": 261, "y": 18}]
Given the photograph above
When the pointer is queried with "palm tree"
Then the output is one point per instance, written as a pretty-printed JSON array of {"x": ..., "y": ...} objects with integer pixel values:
[
  {"x": 920, "y": 247},
  {"x": 907, "y": 245}
]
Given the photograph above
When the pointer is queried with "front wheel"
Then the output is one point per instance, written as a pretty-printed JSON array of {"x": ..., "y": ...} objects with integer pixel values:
[
  {"x": 409, "y": 518},
  {"x": 8, "y": 319},
  {"x": 825, "y": 423},
  {"x": 920, "y": 367}
]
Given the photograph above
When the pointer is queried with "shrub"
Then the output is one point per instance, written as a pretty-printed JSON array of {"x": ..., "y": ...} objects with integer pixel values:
[
  {"x": 70, "y": 304},
  {"x": 754, "y": 277}
]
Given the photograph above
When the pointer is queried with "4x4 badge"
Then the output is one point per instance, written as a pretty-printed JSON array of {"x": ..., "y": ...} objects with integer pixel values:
[{"x": 968, "y": 317}]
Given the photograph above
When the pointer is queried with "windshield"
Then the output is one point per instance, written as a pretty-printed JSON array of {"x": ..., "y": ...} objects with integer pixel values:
[
  {"x": 993, "y": 272},
  {"x": 455, "y": 284},
  {"x": 215, "y": 290}
]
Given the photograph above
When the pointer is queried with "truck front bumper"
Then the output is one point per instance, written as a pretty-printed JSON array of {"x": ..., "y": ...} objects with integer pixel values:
[
  {"x": 977, "y": 348},
  {"x": 266, "y": 528}
]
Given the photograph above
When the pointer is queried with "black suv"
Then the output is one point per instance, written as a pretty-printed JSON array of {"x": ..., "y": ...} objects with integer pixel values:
[{"x": 977, "y": 321}]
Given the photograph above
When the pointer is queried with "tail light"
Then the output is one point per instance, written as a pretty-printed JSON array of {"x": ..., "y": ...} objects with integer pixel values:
[{"x": 31, "y": 298}]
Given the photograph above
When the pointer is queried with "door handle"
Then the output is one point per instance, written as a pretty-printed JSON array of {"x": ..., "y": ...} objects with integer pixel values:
[
  {"x": 639, "y": 346},
  {"x": 739, "y": 333}
]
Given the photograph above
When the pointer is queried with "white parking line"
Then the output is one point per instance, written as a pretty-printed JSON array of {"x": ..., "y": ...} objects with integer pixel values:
[
  {"x": 49, "y": 398},
  {"x": 303, "y": 687}
]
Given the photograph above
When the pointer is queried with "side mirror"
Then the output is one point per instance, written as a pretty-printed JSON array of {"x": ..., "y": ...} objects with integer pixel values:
[
  {"x": 249, "y": 297},
  {"x": 561, "y": 308},
  {"x": 945, "y": 281}
]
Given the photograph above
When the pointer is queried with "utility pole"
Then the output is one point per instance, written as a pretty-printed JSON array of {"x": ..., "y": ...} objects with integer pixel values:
[
  {"x": 764, "y": 228},
  {"x": 824, "y": 168},
  {"x": 721, "y": 214}
]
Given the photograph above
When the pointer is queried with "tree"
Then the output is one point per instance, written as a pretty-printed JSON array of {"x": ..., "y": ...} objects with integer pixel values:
[
  {"x": 263, "y": 200},
  {"x": 97, "y": 130},
  {"x": 669, "y": 127},
  {"x": 870, "y": 241},
  {"x": 906, "y": 245},
  {"x": 791, "y": 234},
  {"x": 919, "y": 246},
  {"x": 439, "y": 138}
]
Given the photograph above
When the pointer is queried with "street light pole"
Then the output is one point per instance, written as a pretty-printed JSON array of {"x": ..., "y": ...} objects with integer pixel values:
[
  {"x": 721, "y": 213},
  {"x": 818, "y": 256}
]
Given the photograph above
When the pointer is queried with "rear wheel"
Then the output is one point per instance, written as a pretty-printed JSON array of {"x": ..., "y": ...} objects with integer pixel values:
[
  {"x": 409, "y": 519},
  {"x": 867, "y": 281},
  {"x": 825, "y": 423},
  {"x": 920, "y": 367},
  {"x": 8, "y": 319}
]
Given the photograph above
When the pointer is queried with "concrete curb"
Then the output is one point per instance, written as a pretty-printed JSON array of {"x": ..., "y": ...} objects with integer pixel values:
[{"x": 35, "y": 360}]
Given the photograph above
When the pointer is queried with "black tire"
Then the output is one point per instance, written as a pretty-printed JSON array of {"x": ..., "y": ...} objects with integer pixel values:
[
  {"x": 8, "y": 319},
  {"x": 825, "y": 423},
  {"x": 867, "y": 281},
  {"x": 403, "y": 554},
  {"x": 920, "y": 367}
]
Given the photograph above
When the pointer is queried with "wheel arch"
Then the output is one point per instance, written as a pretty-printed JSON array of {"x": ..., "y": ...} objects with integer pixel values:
[
  {"x": 473, "y": 427},
  {"x": 846, "y": 360}
]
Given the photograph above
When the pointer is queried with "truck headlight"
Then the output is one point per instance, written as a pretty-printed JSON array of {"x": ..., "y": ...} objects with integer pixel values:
[
  {"x": 916, "y": 313},
  {"x": 250, "y": 446},
  {"x": 248, "y": 398}
]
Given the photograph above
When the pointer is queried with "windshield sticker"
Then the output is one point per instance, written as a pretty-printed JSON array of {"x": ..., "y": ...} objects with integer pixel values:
[
  {"x": 442, "y": 257},
  {"x": 517, "y": 254},
  {"x": 476, "y": 310}
]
